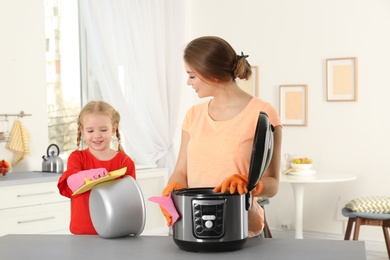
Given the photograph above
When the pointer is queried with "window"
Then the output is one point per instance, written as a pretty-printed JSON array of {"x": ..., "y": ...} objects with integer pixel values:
[{"x": 62, "y": 72}]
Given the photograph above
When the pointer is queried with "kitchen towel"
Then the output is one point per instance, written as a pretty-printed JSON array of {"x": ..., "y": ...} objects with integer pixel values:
[{"x": 19, "y": 142}]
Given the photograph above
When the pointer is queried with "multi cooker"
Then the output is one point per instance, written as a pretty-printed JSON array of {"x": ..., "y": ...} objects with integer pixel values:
[{"x": 219, "y": 222}]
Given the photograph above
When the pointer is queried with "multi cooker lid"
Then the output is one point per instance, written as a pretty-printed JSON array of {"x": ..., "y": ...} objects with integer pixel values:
[{"x": 261, "y": 151}]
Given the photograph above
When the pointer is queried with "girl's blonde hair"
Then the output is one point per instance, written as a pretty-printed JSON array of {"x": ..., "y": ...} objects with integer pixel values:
[{"x": 103, "y": 108}]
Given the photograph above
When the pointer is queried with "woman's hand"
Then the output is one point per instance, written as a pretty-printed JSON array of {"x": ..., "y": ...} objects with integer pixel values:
[
  {"x": 171, "y": 187},
  {"x": 236, "y": 182},
  {"x": 166, "y": 192},
  {"x": 239, "y": 183}
]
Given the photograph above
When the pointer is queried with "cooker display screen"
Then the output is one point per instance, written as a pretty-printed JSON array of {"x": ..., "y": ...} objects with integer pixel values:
[{"x": 208, "y": 210}]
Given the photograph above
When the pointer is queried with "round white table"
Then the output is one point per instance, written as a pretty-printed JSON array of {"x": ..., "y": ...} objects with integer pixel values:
[{"x": 298, "y": 184}]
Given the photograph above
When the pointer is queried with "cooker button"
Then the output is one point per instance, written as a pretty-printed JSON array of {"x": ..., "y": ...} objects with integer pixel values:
[
  {"x": 208, "y": 224},
  {"x": 198, "y": 221},
  {"x": 208, "y": 217},
  {"x": 218, "y": 229},
  {"x": 197, "y": 214},
  {"x": 199, "y": 229}
]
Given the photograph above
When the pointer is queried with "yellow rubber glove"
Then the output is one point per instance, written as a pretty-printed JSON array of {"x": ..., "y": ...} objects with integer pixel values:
[{"x": 166, "y": 192}]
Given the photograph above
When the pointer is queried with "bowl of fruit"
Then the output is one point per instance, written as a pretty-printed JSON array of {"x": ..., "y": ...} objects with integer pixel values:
[
  {"x": 4, "y": 167},
  {"x": 303, "y": 163}
]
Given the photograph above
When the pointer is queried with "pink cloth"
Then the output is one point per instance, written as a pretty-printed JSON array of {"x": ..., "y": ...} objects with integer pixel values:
[{"x": 167, "y": 204}]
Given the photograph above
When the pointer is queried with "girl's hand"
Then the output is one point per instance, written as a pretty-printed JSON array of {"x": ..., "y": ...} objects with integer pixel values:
[
  {"x": 94, "y": 174},
  {"x": 75, "y": 181}
]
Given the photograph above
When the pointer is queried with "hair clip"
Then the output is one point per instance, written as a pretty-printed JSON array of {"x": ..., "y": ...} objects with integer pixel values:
[{"x": 242, "y": 56}]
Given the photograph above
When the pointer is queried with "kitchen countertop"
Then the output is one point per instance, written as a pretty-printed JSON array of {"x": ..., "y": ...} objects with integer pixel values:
[
  {"x": 44, "y": 247},
  {"x": 31, "y": 177},
  {"x": 19, "y": 178}
]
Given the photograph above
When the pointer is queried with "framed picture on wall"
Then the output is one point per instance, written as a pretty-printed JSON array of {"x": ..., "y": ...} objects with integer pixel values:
[
  {"x": 293, "y": 104},
  {"x": 251, "y": 85},
  {"x": 341, "y": 79}
]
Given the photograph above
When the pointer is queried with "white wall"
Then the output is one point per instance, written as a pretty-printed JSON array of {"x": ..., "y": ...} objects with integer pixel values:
[
  {"x": 22, "y": 75},
  {"x": 290, "y": 41}
]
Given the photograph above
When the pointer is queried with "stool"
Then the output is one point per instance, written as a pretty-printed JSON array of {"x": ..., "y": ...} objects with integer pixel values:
[
  {"x": 368, "y": 219},
  {"x": 267, "y": 231}
]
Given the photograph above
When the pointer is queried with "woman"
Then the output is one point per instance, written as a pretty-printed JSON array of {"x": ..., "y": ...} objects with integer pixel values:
[{"x": 217, "y": 135}]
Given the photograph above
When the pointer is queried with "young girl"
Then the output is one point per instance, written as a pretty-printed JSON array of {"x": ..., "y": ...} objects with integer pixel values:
[
  {"x": 97, "y": 123},
  {"x": 217, "y": 135}
]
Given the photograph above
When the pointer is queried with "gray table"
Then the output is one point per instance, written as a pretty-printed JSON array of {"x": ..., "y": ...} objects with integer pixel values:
[{"x": 42, "y": 247}]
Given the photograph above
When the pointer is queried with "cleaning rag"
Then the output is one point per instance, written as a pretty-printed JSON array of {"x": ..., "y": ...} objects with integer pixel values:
[
  {"x": 19, "y": 142},
  {"x": 167, "y": 204}
]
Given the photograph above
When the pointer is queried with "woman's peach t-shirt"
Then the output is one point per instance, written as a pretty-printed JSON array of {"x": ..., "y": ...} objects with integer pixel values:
[{"x": 218, "y": 149}]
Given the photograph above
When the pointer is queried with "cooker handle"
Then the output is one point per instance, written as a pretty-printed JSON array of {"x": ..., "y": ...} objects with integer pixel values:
[{"x": 248, "y": 200}]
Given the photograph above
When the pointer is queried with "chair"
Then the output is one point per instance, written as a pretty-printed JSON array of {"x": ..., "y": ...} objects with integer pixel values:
[
  {"x": 361, "y": 215},
  {"x": 267, "y": 232}
]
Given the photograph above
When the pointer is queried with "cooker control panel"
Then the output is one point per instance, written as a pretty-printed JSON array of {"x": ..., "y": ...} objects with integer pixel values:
[{"x": 208, "y": 216}]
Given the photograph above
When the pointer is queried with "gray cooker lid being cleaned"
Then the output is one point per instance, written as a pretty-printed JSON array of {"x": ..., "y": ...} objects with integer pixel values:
[{"x": 117, "y": 208}]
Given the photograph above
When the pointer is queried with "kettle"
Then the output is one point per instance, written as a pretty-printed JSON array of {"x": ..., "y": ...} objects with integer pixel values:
[{"x": 52, "y": 162}]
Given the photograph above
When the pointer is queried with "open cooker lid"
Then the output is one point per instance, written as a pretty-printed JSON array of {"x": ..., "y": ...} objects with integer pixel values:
[{"x": 262, "y": 149}]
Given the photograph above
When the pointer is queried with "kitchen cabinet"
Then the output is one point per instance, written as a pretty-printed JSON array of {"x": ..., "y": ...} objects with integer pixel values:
[
  {"x": 33, "y": 209},
  {"x": 152, "y": 182},
  {"x": 31, "y": 204}
]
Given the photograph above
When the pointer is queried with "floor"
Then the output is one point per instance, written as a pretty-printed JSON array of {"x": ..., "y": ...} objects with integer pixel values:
[{"x": 374, "y": 255}]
